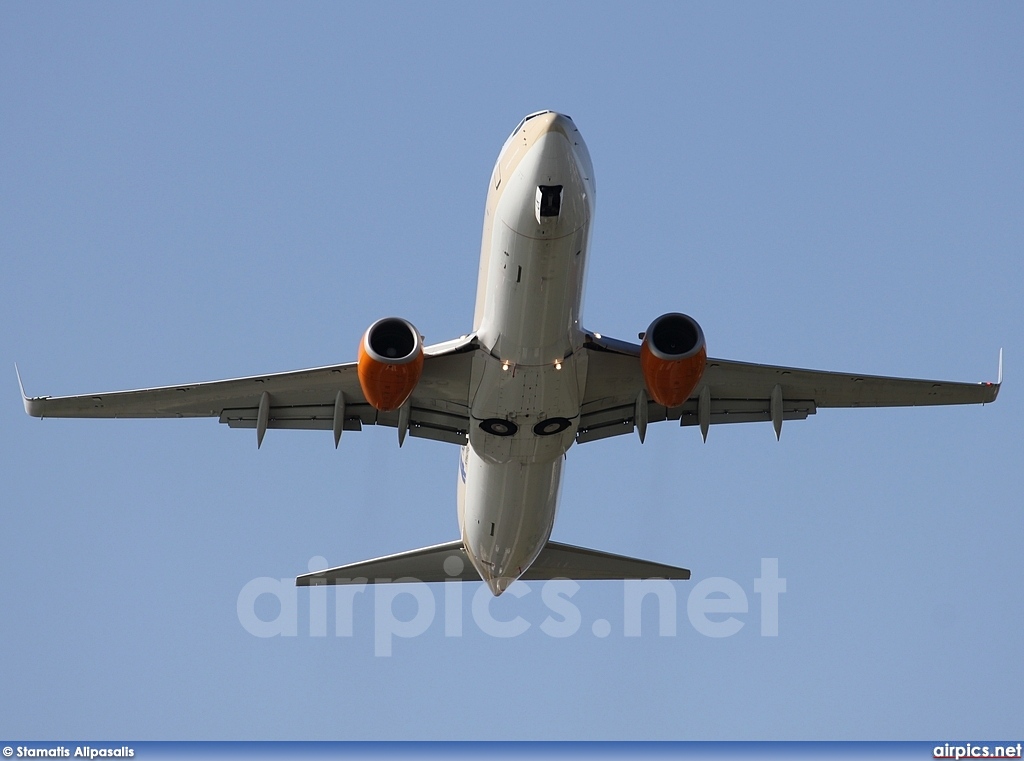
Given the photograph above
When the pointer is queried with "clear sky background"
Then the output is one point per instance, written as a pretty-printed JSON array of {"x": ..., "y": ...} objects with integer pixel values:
[{"x": 194, "y": 191}]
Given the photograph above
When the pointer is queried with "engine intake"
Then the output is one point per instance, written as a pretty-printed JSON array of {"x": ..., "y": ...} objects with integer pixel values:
[
  {"x": 390, "y": 363},
  {"x": 672, "y": 358}
]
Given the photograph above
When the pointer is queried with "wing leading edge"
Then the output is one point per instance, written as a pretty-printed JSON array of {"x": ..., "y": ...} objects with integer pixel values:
[{"x": 743, "y": 392}]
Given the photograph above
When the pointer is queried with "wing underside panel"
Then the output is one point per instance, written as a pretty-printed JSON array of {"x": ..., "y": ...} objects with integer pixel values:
[
  {"x": 449, "y": 425},
  {"x": 605, "y": 420},
  {"x": 742, "y": 392},
  {"x": 302, "y": 399}
]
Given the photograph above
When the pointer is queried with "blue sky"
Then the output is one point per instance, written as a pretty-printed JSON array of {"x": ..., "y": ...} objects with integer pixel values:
[{"x": 194, "y": 191}]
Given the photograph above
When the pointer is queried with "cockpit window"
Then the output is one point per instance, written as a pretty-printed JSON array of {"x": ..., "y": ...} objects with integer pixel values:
[{"x": 527, "y": 118}]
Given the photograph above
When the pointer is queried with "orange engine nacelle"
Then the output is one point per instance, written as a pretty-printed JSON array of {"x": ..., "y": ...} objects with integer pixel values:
[
  {"x": 390, "y": 363},
  {"x": 672, "y": 358}
]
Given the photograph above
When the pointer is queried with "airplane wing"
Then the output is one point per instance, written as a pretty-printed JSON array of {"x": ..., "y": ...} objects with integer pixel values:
[
  {"x": 322, "y": 398},
  {"x": 742, "y": 392},
  {"x": 449, "y": 562}
]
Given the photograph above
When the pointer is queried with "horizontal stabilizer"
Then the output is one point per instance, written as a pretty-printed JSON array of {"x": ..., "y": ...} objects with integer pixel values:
[
  {"x": 563, "y": 561},
  {"x": 425, "y": 564},
  {"x": 449, "y": 562}
]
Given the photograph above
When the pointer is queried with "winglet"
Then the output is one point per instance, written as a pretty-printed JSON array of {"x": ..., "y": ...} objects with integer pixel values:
[
  {"x": 24, "y": 399},
  {"x": 33, "y": 404},
  {"x": 993, "y": 388}
]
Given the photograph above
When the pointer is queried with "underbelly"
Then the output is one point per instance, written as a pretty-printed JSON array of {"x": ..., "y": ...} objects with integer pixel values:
[
  {"x": 524, "y": 412},
  {"x": 508, "y": 513}
]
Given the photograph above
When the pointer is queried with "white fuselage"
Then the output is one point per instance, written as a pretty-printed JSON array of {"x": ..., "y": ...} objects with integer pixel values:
[{"x": 528, "y": 377}]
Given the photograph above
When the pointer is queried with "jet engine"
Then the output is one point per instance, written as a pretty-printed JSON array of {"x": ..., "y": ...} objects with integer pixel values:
[
  {"x": 672, "y": 358},
  {"x": 390, "y": 363}
]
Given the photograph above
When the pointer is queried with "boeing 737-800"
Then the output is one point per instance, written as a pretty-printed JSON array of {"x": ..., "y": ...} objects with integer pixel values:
[{"x": 523, "y": 386}]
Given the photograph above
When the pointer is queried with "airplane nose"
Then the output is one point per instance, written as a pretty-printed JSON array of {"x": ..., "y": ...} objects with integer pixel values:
[
  {"x": 545, "y": 197},
  {"x": 551, "y": 121}
]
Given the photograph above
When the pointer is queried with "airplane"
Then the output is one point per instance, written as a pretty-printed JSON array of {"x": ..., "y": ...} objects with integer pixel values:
[{"x": 518, "y": 391}]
